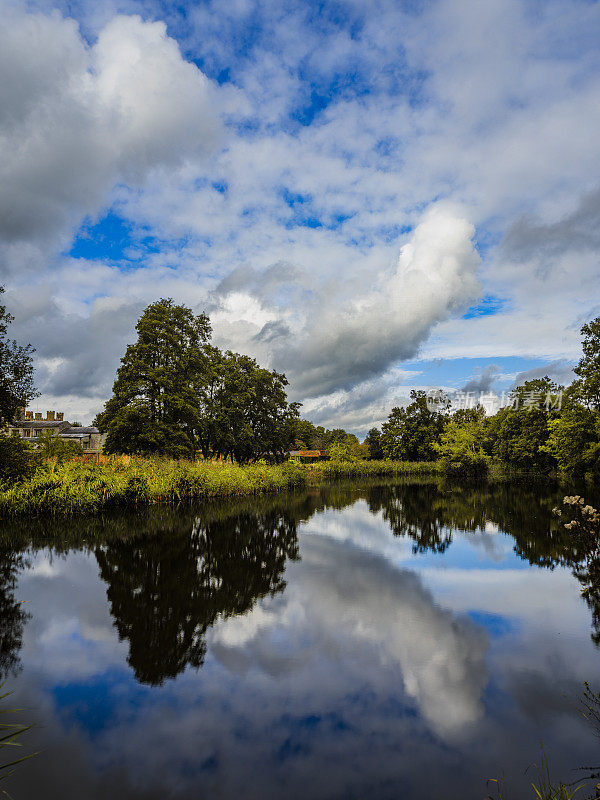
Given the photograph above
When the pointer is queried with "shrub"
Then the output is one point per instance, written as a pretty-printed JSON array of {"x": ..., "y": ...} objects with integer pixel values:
[{"x": 16, "y": 462}]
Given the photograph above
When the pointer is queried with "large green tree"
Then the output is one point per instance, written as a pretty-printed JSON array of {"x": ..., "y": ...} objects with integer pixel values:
[
  {"x": 154, "y": 407},
  {"x": 245, "y": 412},
  {"x": 176, "y": 394},
  {"x": 373, "y": 442},
  {"x": 588, "y": 367},
  {"x": 520, "y": 431},
  {"x": 411, "y": 433},
  {"x": 16, "y": 371}
]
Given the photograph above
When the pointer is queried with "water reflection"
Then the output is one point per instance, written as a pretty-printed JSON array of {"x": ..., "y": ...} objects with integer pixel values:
[
  {"x": 13, "y": 615},
  {"x": 165, "y": 589},
  {"x": 381, "y": 641}
]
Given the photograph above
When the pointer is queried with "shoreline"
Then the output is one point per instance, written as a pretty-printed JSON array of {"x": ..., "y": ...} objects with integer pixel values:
[{"x": 73, "y": 488}]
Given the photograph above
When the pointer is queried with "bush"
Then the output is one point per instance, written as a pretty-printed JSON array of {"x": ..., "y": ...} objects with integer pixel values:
[{"x": 16, "y": 462}]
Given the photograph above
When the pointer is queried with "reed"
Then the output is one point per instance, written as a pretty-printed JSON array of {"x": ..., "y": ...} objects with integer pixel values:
[
  {"x": 82, "y": 488},
  {"x": 366, "y": 469}
]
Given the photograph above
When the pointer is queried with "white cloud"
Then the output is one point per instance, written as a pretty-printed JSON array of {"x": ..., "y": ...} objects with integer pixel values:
[{"x": 75, "y": 119}]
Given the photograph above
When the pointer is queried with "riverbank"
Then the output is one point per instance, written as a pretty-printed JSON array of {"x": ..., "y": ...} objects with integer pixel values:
[{"x": 83, "y": 488}]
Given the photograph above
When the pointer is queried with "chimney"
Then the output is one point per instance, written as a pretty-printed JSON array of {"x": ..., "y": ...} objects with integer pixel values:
[
  {"x": 49, "y": 415},
  {"x": 38, "y": 414},
  {"x": 29, "y": 415},
  {"x": 60, "y": 416}
]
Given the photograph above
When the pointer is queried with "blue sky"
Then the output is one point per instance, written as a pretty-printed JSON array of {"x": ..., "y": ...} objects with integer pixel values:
[{"x": 370, "y": 197}]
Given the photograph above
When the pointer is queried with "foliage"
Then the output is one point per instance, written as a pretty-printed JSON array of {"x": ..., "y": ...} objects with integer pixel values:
[
  {"x": 50, "y": 445},
  {"x": 365, "y": 469},
  {"x": 10, "y": 733},
  {"x": 373, "y": 442},
  {"x": 345, "y": 452},
  {"x": 154, "y": 405},
  {"x": 574, "y": 438},
  {"x": 16, "y": 459},
  {"x": 520, "y": 433},
  {"x": 310, "y": 437},
  {"x": 460, "y": 451},
  {"x": 176, "y": 394},
  {"x": 72, "y": 487},
  {"x": 16, "y": 371},
  {"x": 588, "y": 367},
  {"x": 244, "y": 410},
  {"x": 411, "y": 433}
]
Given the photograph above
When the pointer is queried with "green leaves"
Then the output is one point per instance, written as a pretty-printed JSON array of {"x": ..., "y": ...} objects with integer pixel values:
[
  {"x": 10, "y": 733},
  {"x": 175, "y": 394},
  {"x": 16, "y": 372}
]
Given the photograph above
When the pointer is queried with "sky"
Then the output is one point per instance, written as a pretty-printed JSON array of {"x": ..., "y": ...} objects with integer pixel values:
[{"x": 370, "y": 197}]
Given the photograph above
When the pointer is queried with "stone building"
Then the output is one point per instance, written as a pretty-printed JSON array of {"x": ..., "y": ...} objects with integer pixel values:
[{"x": 31, "y": 425}]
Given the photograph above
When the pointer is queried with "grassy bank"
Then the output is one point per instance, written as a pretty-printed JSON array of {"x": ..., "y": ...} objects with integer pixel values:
[
  {"x": 358, "y": 469},
  {"x": 83, "y": 488}
]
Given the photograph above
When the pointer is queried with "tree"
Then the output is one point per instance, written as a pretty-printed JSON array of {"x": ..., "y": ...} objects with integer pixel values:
[
  {"x": 154, "y": 407},
  {"x": 50, "y": 445},
  {"x": 16, "y": 459},
  {"x": 588, "y": 367},
  {"x": 248, "y": 415},
  {"x": 165, "y": 590},
  {"x": 521, "y": 433},
  {"x": 460, "y": 449},
  {"x": 574, "y": 437},
  {"x": 373, "y": 442},
  {"x": 16, "y": 371},
  {"x": 410, "y": 433}
]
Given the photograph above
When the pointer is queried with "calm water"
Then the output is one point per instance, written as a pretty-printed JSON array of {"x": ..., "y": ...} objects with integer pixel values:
[{"x": 396, "y": 641}]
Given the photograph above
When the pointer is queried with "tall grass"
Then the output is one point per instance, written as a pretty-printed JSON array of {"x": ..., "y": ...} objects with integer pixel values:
[
  {"x": 72, "y": 488},
  {"x": 359, "y": 469}
]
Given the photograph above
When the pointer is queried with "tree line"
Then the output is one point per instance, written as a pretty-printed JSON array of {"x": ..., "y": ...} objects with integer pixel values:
[
  {"x": 559, "y": 434},
  {"x": 178, "y": 395}
]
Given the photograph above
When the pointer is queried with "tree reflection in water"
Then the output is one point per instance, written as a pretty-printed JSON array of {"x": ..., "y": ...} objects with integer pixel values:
[
  {"x": 166, "y": 590},
  {"x": 13, "y": 615},
  {"x": 171, "y": 573}
]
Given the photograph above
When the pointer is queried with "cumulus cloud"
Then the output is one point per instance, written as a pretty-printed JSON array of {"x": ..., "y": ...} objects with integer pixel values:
[
  {"x": 75, "y": 119},
  {"x": 337, "y": 343}
]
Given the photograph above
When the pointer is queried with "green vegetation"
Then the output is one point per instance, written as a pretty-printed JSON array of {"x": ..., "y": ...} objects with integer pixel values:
[
  {"x": 544, "y": 429},
  {"x": 460, "y": 450},
  {"x": 69, "y": 487},
  {"x": 16, "y": 460},
  {"x": 16, "y": 371},
  {"x": 176, "y": 395},
  {"x": 334, "y": 469},
  {"x": 10, "y": 733},
  {"x": 411, "y": 433},
  {"x": 72, "y": 487}
]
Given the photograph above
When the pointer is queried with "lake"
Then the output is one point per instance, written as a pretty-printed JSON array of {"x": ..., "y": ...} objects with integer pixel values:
[{"x": 407, "y": 640}]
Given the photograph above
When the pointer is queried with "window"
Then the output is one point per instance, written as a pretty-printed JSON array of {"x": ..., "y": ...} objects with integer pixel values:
[{"x": 27, "y": 433}]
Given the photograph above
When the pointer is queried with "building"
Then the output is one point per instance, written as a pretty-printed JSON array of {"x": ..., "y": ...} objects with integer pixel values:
[{"x": 30, "y": 426}]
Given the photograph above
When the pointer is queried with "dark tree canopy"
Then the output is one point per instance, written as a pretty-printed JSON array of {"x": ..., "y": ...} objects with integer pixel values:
[
  {"x": 520, "y": 434},
  {"x": 166, "y": 590},
  {"x": 373, "y": 442},
  {"x": 16, "y": 371},
  {"x": 154, "y": 404},
  {"x": 588, "y": 367},
  {"x": 176, "y": 394},
  {"x": 411, "y": 433}
]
